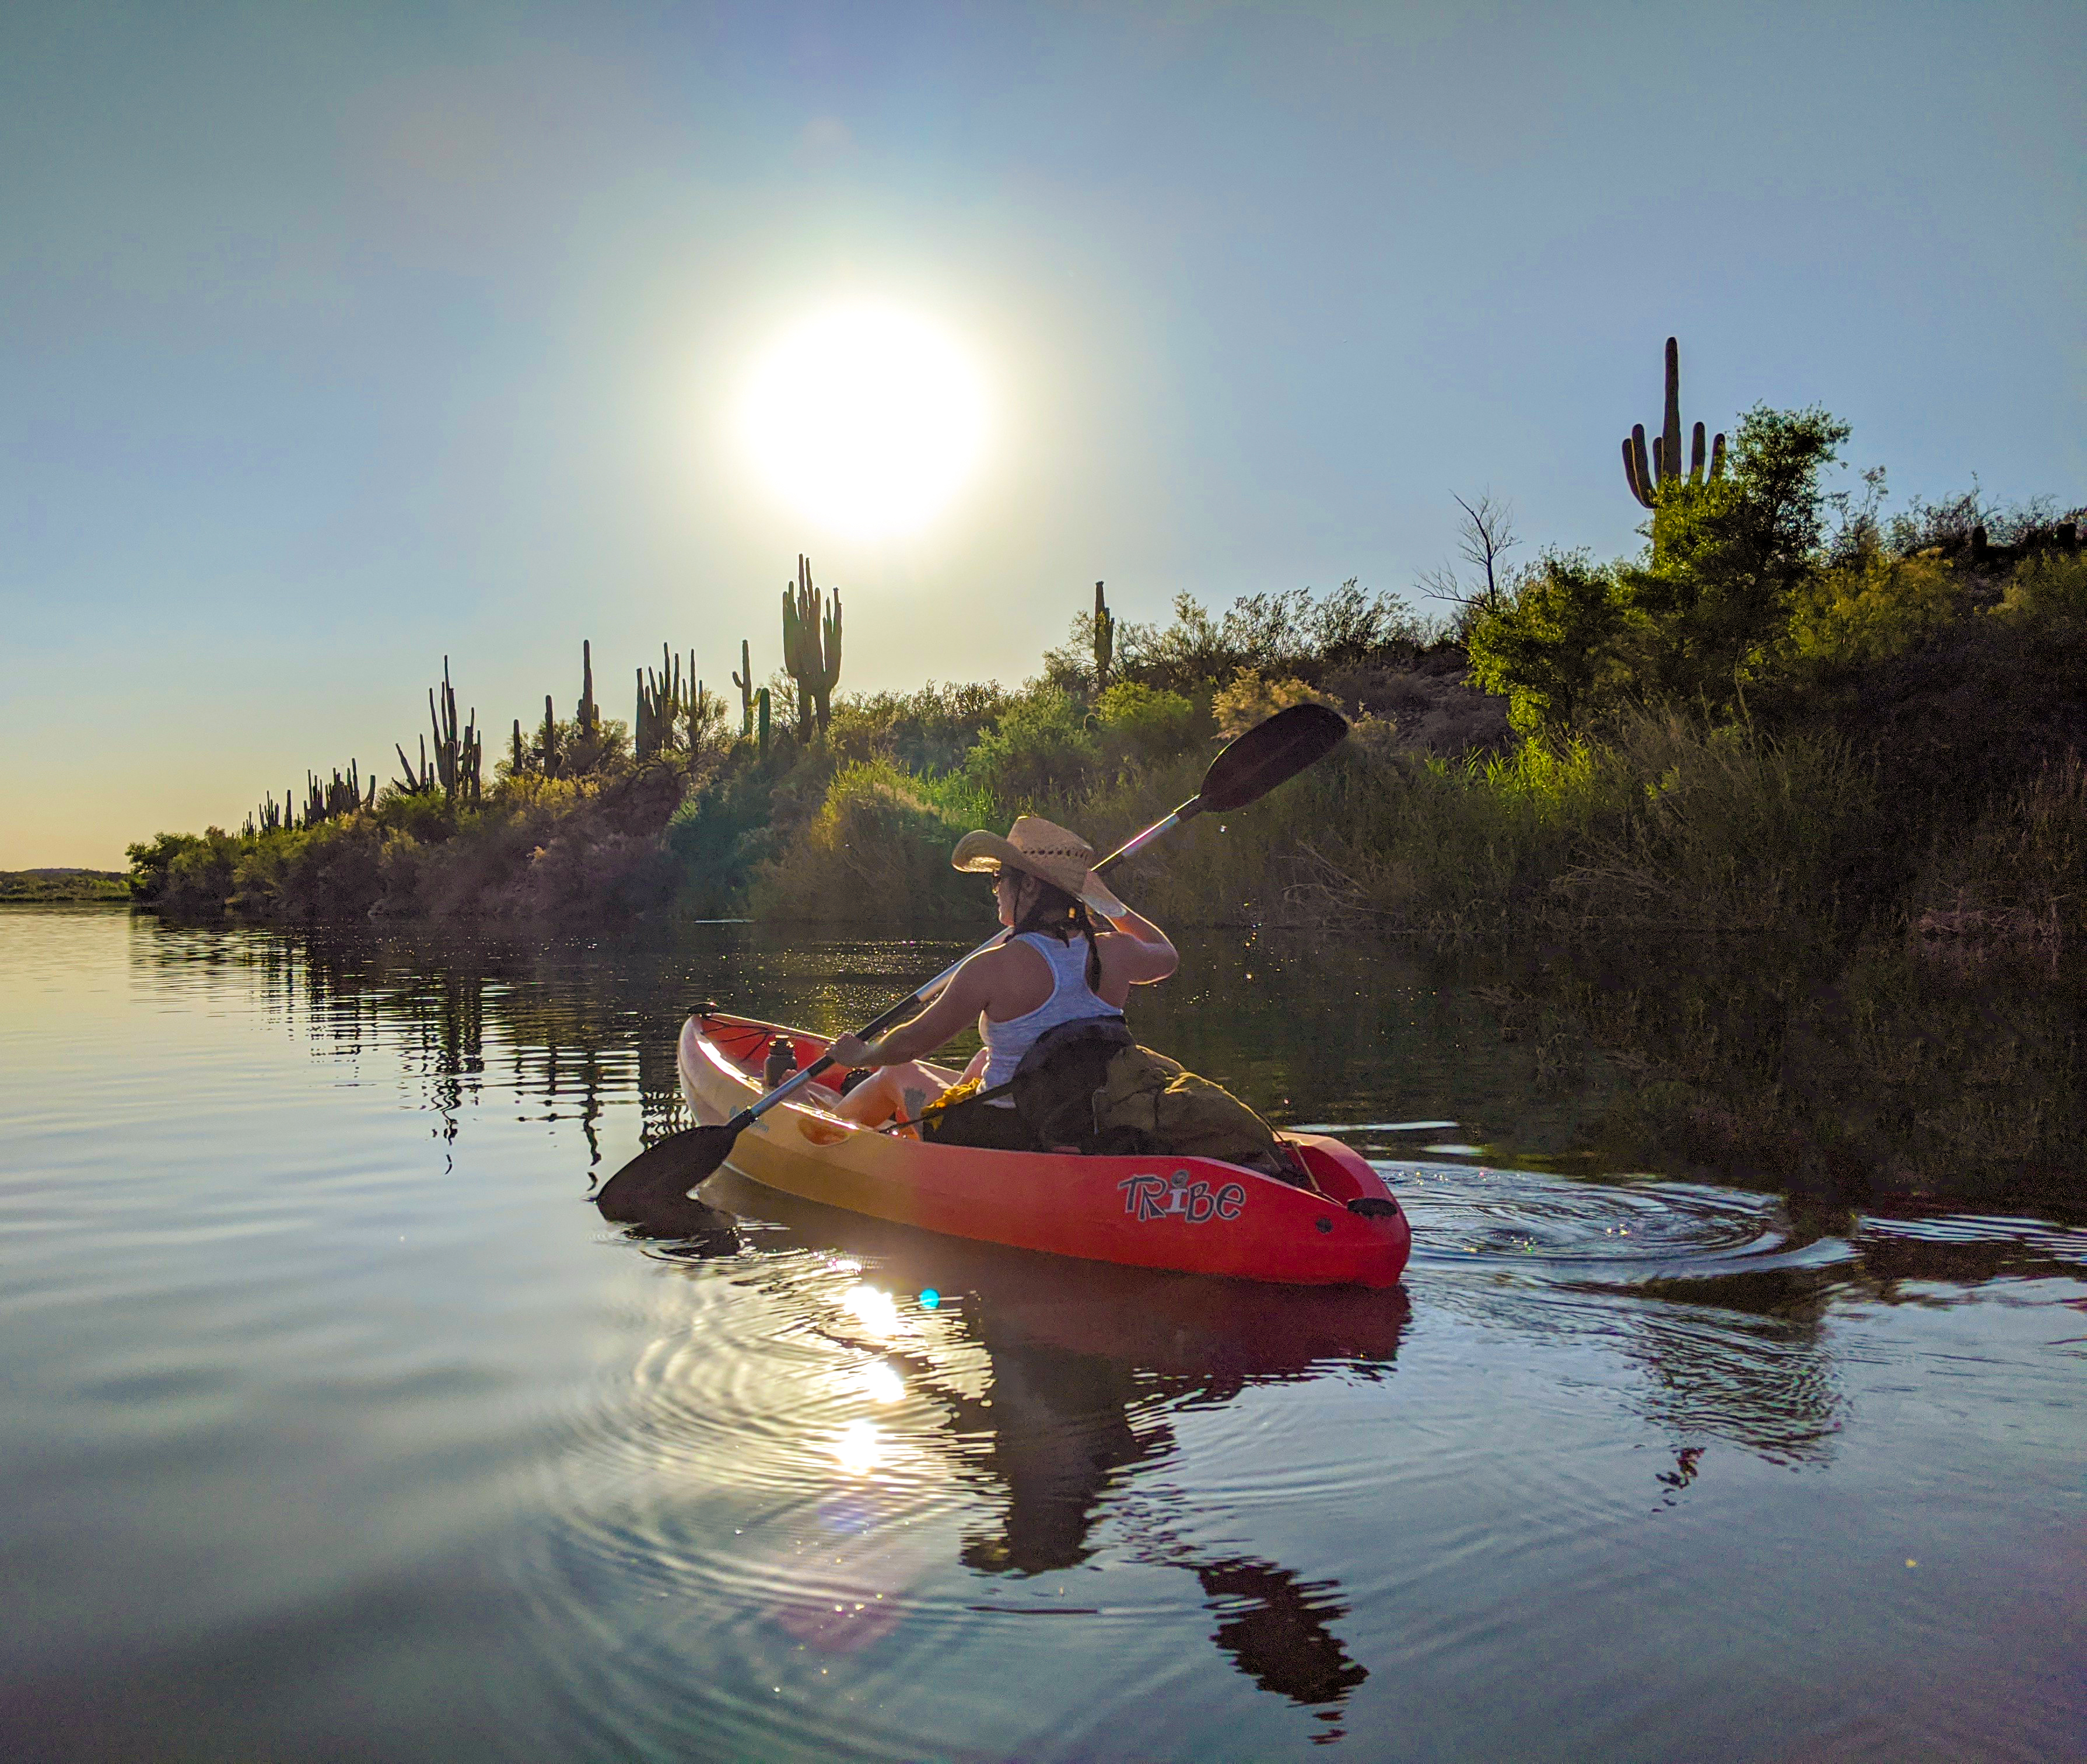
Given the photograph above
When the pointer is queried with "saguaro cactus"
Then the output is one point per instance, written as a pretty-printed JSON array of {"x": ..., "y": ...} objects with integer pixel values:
[
  {"x": 589, "y": 715},
  {"x": 1647, "y": 477},
  {"x": 1104, "y": 640},
  {"x": 547, "y": 740},
  {"x": 744, "y": 680},
  {"x": 340, "y": 794},
  {"x": 761, "y": 712},
  {"x": 811, "y": 649}
]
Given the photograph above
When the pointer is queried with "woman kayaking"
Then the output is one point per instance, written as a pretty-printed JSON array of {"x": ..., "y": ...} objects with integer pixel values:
[{"x": 1059, "y": 966}]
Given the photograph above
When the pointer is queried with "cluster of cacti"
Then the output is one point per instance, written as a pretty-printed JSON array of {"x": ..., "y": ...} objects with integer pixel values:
[
  {"x": 1647, "y": 477},
  {"x": 339, "y": 795},
  {"x": 551, "y": 754},
  {"x": 342, "y": 793},
  {"x": 811, "y": 650},
  {"x": 455, "y": 767},
  {"x": 672, "y": 708},
  {"x": 1104, "y": 640}
]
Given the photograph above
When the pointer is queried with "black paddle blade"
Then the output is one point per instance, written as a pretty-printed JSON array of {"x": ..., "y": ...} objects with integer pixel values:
[
  {"x": 1270, "y": 754},
  {"x": 653, "y": 1186}
]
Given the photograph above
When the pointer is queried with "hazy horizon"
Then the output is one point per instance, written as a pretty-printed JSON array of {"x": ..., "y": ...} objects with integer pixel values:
[{"x": 337, "y": 343}]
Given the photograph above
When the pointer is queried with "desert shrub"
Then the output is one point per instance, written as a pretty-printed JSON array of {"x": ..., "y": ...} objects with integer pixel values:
[
  {"x": 2019, "y": 871},
  {"x": 198, "y": 875},
  {"x": 2047, "y": 593},
  {"x": 1727, "y": 558},
  {"x": 1289, "y": 632},
  {"x": 1248, "y": 699},
  {"x": 1878, "y": 609},
  {"x": 927, "y": 731},
  {"x": 1039, "y": 751},
  {"x": 1141, "y": 725},
  {"x": 720, "y": 834},
  {"x": 151, "y": 860},
  {"x": 1549, "y": 648},
  {"x": 330, "y": 871},
  {"x": 1693, "y": 622},
  {"x": 877, "y": 852}
]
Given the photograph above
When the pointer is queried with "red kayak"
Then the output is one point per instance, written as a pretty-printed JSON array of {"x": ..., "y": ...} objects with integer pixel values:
[{"x": 1194, "y": 1215}]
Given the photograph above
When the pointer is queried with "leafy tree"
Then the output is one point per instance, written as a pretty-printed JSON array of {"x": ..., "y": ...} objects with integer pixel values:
[
  {"x": 1699, "y": 615},
  {"x": 1549, "y": 647},
  {"x": 1727, "y": 560}
]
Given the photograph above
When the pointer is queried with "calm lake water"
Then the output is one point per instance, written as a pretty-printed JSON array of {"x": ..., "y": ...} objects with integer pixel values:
[{"x": 337, "y": 1425}]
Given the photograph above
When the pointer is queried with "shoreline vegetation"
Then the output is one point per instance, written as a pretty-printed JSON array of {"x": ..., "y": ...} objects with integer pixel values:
[
  {"x": 34, "y": 885},
  {"x": 1789, "y": 805}
]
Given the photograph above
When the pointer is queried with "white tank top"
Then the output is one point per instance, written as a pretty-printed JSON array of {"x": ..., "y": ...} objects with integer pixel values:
[{"x": 1071, "y": 1000}]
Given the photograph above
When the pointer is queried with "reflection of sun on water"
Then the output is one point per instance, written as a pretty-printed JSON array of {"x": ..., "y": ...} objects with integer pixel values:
[
  {"x": 883, "y": 1384},
  {"x": 866, "y": 419},
  {"x": 860, "y": 1448},
  {"x": 876, "y": 1312}
]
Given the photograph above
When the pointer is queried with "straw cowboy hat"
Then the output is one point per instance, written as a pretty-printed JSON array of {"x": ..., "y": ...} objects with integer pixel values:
[{"x": 1053, "y": 853}]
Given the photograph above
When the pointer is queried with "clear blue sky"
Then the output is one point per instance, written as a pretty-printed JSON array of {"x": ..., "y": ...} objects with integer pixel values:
[{"x": 338, "y": 339}]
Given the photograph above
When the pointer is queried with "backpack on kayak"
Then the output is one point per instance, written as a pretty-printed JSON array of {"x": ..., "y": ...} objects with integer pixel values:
[{"x": 1089, "y": 1085}]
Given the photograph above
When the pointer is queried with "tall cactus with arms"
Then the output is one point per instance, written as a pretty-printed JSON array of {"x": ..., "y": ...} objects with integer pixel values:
[
  {"x": 744, "y": 680},
  {"x": 811, "y": 650},
  {"x": 1647, "y": 477}
]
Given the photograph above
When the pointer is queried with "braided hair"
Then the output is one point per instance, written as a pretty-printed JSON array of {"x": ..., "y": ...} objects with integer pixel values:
[{"x": 1058, "y": 915}]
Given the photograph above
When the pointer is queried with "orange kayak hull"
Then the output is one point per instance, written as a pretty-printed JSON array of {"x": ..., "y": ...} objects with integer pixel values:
[{"x": 1192, "y": 1214}]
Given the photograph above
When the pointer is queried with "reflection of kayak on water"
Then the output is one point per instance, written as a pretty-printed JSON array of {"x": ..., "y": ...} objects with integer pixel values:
[
  {"x": 1086, "y": 1366},
  {"x": 1161, "y": 1210}
]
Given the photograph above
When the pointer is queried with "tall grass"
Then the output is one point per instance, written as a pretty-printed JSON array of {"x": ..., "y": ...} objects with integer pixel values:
[{"x": 1670, "y": 824}]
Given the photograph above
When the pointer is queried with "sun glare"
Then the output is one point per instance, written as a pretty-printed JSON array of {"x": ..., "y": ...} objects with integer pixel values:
[{"x": 866, "y": 420}]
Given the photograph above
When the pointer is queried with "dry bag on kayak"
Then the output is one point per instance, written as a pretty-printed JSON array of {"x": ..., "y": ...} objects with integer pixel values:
[{"x": 1089, "y": 1084}]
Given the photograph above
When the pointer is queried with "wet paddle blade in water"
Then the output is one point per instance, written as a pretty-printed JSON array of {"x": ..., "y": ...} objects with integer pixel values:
[{"x": 652, "y": 1190}]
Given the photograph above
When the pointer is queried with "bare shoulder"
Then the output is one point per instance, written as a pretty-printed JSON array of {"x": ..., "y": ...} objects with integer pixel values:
[
  {"x": 1003, "y": 964},
  {"x": 1132, "y": 961}
]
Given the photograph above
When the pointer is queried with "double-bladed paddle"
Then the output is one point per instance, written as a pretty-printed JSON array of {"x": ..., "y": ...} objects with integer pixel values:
[{"x": 653, "y": 1186}]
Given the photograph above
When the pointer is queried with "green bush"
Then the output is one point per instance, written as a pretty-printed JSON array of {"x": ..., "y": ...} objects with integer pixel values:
[
  {"x": 1037, "y": 754},
  {"x": 1141, "y": 725},
  {"x": 876, "y": 853},
  {"x": 1874, "y": 610}
]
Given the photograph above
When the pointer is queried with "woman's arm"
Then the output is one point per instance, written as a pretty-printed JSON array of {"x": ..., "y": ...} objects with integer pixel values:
[
  {"x": 1146, "y": 955},
  {"x": 955, "y": 1008}
]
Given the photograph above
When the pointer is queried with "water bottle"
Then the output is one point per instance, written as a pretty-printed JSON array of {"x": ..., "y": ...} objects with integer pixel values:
[{"x": 782, "y": 1062}]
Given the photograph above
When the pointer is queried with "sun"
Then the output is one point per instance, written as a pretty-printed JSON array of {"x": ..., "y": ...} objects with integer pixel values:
[{"x": 867, "y": 419}]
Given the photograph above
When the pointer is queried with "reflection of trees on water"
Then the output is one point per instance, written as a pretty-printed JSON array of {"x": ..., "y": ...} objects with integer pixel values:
[
  {"x": 559, "y": 1026},
  {"x": 1766, "y": 1384},
  {"x": 1745, "y": 1355}
]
